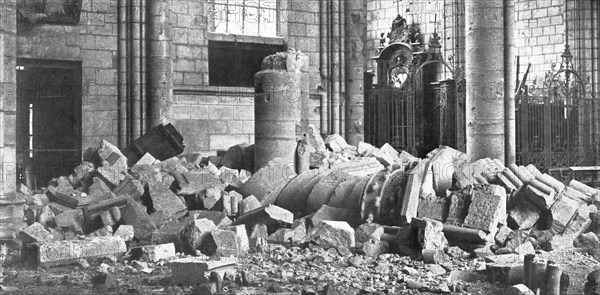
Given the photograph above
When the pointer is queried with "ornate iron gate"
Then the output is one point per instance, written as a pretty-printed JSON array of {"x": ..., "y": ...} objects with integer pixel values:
[
  {"x": 412, "y": 106},
  {"x": 390, "y": 116},
  {"x": 555, "y": 121}
]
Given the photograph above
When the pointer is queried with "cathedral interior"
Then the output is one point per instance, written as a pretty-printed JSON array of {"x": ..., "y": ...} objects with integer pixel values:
[{"x": 378, "y": 89}]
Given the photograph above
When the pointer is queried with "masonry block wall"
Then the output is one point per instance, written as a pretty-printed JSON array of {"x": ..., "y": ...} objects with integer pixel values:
[
  {"x": 213, "y": 118},
  {"x": 93, "y": 42},
  {"x": 540, "y": 35},
  {"x": 8, "y": 58}
]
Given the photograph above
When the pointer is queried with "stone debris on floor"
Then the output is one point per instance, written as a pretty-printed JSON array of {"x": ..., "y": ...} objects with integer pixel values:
[{"x": 368, "y": 205}]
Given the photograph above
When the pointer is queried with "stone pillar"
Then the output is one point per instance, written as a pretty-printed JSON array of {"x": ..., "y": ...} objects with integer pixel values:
[
  {"x": 484, "y": 67},
  {"x": 510, "y": 132},
  {"x": 277, "y": 107},
  {"x": 356, "y": 31},
  {"x": 11, "y": 208},
  {"x": 335, "y": 66},
  {"x": 160, "y": 63}
]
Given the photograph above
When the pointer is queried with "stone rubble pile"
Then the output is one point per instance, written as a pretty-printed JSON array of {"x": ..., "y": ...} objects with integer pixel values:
[{"x": 200, "y": 214}]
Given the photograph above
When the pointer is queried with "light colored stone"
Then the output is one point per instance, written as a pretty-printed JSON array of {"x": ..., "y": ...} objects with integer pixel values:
[
  {"x": 125, "y": 232},
  {"x": 333, "y": 234},
  {"x": 195, "y": 271},
  {"x": 69, "y": 251},
  {"x": 159, "y": 252},
  {"x": 35, "y": 233}
]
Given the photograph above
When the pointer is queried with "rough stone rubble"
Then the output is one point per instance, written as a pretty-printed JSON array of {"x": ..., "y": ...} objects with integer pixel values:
[{"x": 202, "y": 214}]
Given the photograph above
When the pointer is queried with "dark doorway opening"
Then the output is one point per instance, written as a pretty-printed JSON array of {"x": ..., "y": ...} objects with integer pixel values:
[{"x": 48, "y": 120}]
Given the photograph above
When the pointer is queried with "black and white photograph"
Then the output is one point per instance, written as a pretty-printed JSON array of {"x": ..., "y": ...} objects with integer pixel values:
[{"x": 309, "y": 147}]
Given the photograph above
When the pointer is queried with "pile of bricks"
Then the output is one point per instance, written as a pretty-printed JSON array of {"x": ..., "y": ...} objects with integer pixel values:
[{"x": 354, "y": 199}]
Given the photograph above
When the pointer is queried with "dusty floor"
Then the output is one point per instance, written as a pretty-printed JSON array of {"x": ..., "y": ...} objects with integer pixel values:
[{"x": 281, "y": 270}]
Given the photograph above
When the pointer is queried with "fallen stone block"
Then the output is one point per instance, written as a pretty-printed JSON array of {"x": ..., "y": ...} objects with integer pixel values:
[
  {"x": 248, "y": 204},
  {"x": 242, "y": 234},
  {"x": 230, "y": 243},
  {"x": 35, "y": 233},
  {"x": 69, "y": 251},
  {"x": 374, "y": 248},
  {"x": 268, "y": 178},
  {"x": 315, "y": 139},
  {"x": 505, "y": 273},
  {"x": 68, "y": 197},
  {"x": 433, "y": 207},
  {"x": 329, "y": 213},
  {"x": 522, "y": 214},
  {"x": 590, "y": 194},
  {"x": 195, "y": 271},
  {"x": 280, "y": 236},
  {"x": 365, "y": 149},
  {"x": 272, "y": 216},
  {"x": 359, "y": 167},
  {"x": 171, "y": 232},
  {"x": 230, "y": 176},
  {"x": 71, "y": 220},
  {"x": 240, "y": 156},
  {"x": 162, "y": 142},
  {"x": 192, "y": 183},
  {"x": 430, "y": 236},
  {"x": 524, "y": 248},
  {"x": 197, "y": 233},
  {"x": 443, "y": 165},
  {"x": 45, "y": 216},
  {"x": 562, "y": 211},
  {"x": 147, "y": 159},
  {"x": 114, "y": 164},
  {"x": 581, "y": 220},
  {"x": 336, "y": 143},
  {"x": 459, "y": 206},
  {"x": 212, "y": 199},
  {"x": 298, "y": 231},
  {"x": 135, "y": 214},
  {"x": 502, "y": 235},
  {"x": 368, "y": 232},
  {"x": 125, "y": 232},
  {"x": 130, "y": 187},
  {"x": 332, "y": 234},
  {"x": 154, "y": 253},
  {"x": 165, "y": 201},
  {"x": 485, "y": 209},
  {"x": 83, "y": 174},
  {"x": 587, "y": 241},
  {"x": 410, "y": 202},
  {"x": 98, "y": 190},
  {"x": 259, "y": 236},
  {"x": 220, "y": 219}
]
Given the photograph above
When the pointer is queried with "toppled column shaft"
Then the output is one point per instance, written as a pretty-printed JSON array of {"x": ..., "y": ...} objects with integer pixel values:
[{"x": 279, "y": 91}]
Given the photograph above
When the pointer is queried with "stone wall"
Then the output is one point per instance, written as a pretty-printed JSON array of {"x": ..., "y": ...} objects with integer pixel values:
[
  {"x": 8, "y": 101},
  {"x": 213, "y": 118},
  {"x": 93, "y": 42},
  {"x": 212, "y": 121}
]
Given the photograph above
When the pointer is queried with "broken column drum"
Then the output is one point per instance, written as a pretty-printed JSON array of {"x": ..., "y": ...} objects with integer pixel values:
[{"x": 277, "y": 107}]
